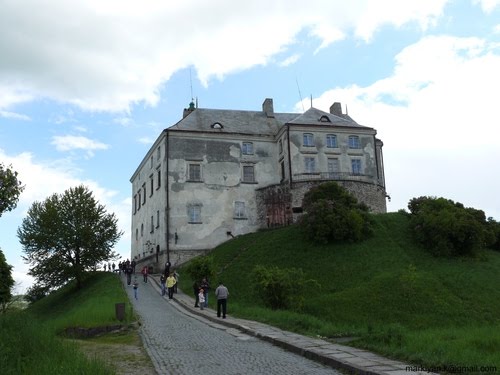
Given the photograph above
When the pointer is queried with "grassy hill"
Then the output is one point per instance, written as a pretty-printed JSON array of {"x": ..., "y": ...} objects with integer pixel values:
[
  {"x": 32, "y": 340},
  {"x": 387, "y": 292}
]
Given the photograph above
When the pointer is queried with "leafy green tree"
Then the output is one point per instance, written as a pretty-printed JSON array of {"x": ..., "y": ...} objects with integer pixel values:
[
  {"x": 333, "y": 214},
  {"x": 65, "y": 236},
  {"x": 10, "y": 188},
  {"x": 6, "y": 282},
  {"x": 282, "y": 288},
  {"x": 447, "y": 228},
  {"x": 201, "y": 267}
]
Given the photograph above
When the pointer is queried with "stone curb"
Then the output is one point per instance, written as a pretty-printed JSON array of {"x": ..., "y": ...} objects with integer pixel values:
[{"x": 341, "y": 357}]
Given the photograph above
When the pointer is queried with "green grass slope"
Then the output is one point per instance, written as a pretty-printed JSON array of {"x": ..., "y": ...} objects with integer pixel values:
[{"x": 387, "y": 291}]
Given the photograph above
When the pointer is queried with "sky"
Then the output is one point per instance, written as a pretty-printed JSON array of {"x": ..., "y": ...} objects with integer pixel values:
[{"x": 87, "y": 86}]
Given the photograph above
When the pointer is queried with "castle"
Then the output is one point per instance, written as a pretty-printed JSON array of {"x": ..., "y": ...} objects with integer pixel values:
[{"x": 220, "y": 173}]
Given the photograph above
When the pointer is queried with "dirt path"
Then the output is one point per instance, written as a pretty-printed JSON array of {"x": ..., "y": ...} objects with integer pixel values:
[{"x": 124, "y": 352}]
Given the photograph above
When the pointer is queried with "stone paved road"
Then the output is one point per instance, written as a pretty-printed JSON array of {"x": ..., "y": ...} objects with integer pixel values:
[{"x": 180, "y": 343}]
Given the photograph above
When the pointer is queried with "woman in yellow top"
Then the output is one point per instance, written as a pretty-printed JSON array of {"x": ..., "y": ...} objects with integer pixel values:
[{"x": 170, "y": 285}]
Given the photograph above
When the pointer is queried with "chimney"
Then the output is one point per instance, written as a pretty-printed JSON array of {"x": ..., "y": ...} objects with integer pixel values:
[
  {"x": 268, "y": 108},
  {"x": 187, "y": 111},
  {"x": 336, "y": 109}
]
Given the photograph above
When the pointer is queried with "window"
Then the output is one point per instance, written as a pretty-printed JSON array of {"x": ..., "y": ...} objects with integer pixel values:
[
  {"x": 324, "y": 118},
  {"x": 137, "y": 234},
  {"x": 135, "y": 204},
  {"x": 194, "y": 173},
  {"x": 308, "y": 139},
  {"x": 239, "y": 210},
  {"x": 143, "y": 194},
  {"x": 331, "y": 141},
  {"x": 354, "y": 141},
  {"x": 282, "y": 170},
  {"x": 247, "y": 148},
  {"x": 139, "y": 200},
  {"x": 151, "y": 184},
  {"x": 309, "y": 164},
  {"x": 248, "y": 173},
  {"x": 280, "y": 143},
  {"x": 194, "y": 214},
  {"x": 356, "y": 166},
  {"x": 157, "y": 218},
  {"x": 158, "y": 184},
  {"x": 152, "y": 225},
  {"x": 142, "y": 230},
  {"x": 158, "y": 153},
  {"x": 333, "y": 168},
  {"x": 216, "y": 125}
]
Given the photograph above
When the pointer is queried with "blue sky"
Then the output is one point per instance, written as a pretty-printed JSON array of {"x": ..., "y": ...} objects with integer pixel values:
[{"x": 87, "y": 86}]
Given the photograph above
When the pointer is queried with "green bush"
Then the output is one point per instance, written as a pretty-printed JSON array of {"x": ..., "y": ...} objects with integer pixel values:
[
  {"x": 447, "y": 228},
  {"x": 333, "y": 214},
  {"x": 200, "y": 267},
  {"x": 280, "y": 288}
]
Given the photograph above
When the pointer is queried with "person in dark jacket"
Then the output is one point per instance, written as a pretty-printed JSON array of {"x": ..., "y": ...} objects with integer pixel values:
[{"x": 196, "y": 290}]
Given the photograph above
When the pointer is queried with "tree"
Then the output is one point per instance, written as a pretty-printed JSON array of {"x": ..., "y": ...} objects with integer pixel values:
[
  {"x": 10, "y": 189},
  {"x": 66, "y": 236},
  {"x": 333, "y": 214},
  {"x": 447, "y": 228},
  {"x": 6, "y": 282}
]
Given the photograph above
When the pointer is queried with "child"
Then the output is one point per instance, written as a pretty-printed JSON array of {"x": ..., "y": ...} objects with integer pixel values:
[
  {"x": 201, "y": 298},
  {"x": 135, "y": 285}
]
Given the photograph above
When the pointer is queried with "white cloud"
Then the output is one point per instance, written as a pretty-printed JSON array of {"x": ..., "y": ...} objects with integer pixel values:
[
  {"x": 109, "y": 55},
  {"x": 71, "y": 142},
  {"x": 290, "y": 60},
  {"x": 488, "y": 5},
  {"x": 13, "y": 115},
  {"x": 436, "y": 116}
]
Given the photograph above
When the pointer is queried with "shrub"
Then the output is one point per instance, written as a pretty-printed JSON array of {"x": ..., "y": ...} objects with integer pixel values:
[
  {"x": 333, "y": 214},
  {"x": 281, "y": 288},
  {"x": 447, "y": 228},
  {"x": 201, "y": 267}
]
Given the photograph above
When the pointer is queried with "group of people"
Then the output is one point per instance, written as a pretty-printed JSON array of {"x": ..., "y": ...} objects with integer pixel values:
[
  {"x": 201, "y": 289},
  {"x": 168, "y": 283}
]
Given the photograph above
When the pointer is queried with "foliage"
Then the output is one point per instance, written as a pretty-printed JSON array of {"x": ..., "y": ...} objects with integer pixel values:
[
  {"x": 6, "y": 282},
  {"x": 36, "y": 292},
  {"x": 333, "y": 214},
  {"x": 447, "y": 228},
  {"x": 66, "y": 236},
  {"x": 494, "y": 227},
  {"x": 280, "y": 288},
  {"x": 200, "y": 267},
  {"x": 10, "y": 188}
]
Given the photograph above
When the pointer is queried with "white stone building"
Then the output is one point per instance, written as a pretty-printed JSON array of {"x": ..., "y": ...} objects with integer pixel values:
[{"x": 221, "y": 173}]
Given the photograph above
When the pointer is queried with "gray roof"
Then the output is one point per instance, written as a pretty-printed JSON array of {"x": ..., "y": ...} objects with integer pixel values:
[{"x": 256, "y": 122}]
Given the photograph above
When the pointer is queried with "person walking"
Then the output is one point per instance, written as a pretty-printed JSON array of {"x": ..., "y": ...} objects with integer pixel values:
[
  {"x": 201, "y": 298},
  {"x": 221, "y": 293},
  {"x": 135, "y": 285},
  {"x": 205, "y": 285},
  {"x": 170, "y": 285},
  {"x": 196, "y": 290},
  {"x": 144, "y": 273},
  {"x": 163, "y": 280}
]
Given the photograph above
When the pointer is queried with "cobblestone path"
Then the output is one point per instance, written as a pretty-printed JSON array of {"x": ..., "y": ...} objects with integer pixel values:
[{"x": 181, "y": 343}]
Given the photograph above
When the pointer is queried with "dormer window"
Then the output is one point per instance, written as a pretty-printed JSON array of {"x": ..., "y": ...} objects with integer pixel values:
[
  {"x": 324, "y": 118},
  {"x": 216, "y": 125}
]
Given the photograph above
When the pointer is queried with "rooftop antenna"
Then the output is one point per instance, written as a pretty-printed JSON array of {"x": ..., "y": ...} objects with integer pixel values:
[
  {"x": 300, "y": 95},
  {"x": 311, "y": 100},
  {"x": 346, "y": 111},
  {"x": 191, "y": 84}
]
